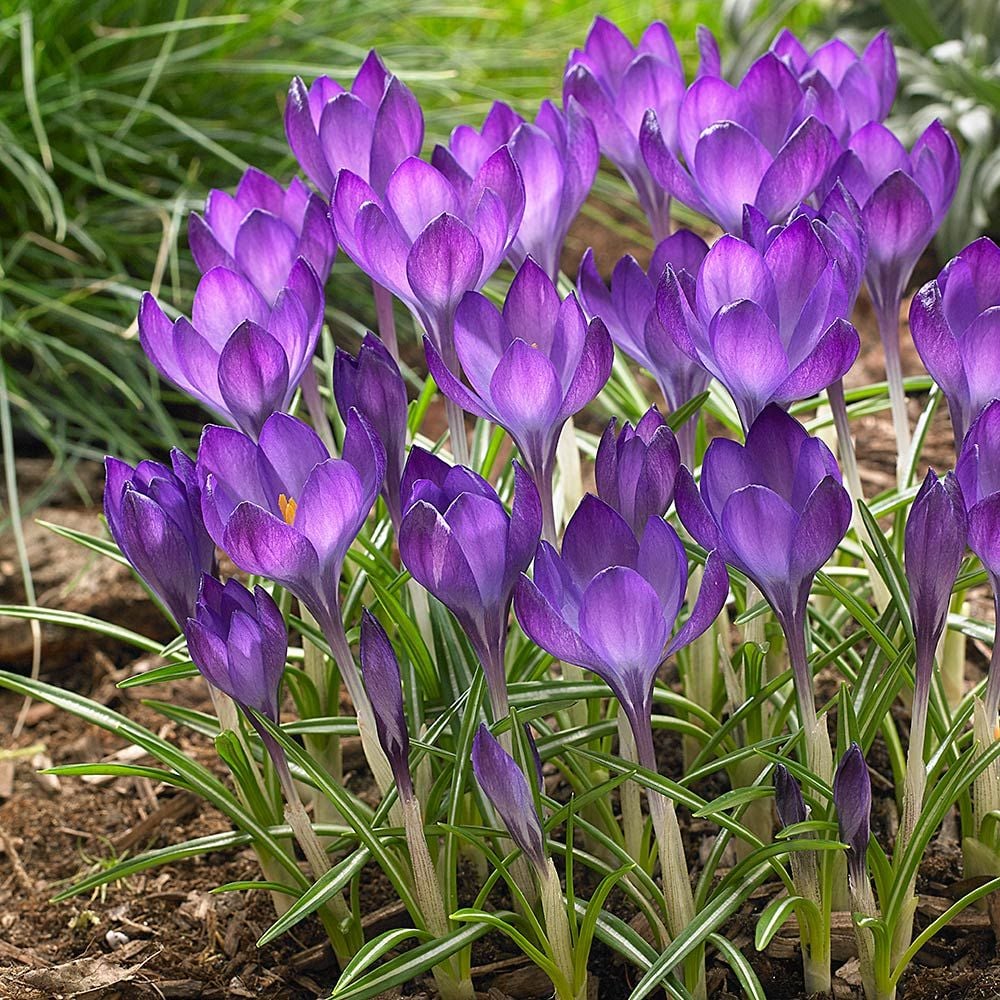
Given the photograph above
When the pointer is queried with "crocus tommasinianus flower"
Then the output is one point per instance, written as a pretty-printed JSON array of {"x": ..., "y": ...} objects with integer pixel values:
[
  {"x": 380, "y": 672},
  {"x": 239, "y": 355},
  {"x": 852, "y": 798},
  {"x": 757, "y": 144},
  {"x": 636, "y": 468},
  {"x": 628, "y": 309},
  {"x": 530, "y": 367},
  {"x": 154, "y": 517},
  {"x": 955, "y": 322},
  {"x": 373, "y": 386},
  {"x": 776, "y": 510},
  {"x": 978, "y": 472},
  {"x": 768, "y": 325},
  {"x": 788, "y": 801},
  {"x": 368, "y": 130},
  {"x": 851, "y": 89},
  {"x": 284, "y": 509},
  {"x": 510, "y": 794},
  {"x": 261, "y": 230},
  {"x": 609, "y": 603},
  {"x": 615, "y": 82},
  {"x": 427, "y": 240},
  {"x": 459, "y": 543}
]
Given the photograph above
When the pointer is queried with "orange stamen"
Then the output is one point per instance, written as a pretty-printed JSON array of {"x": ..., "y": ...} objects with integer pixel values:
[{"x": 288, "y": 507}]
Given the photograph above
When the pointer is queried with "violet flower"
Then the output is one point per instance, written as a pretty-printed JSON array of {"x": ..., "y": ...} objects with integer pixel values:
[
  {"x": 615, "y": 82},
  {"x": 372, "y": 385},
  {"x": 459, "y": 543},
  {"x": 850, "y": 89},
  {"x": 261, "y": 230},
  {"x": 788, "y": 801},
  {"x": 239, "y": 354},
  {"x": 530, "y": 368},
  {"x": 368, "y": 130},
  {"x": 629, "y": 312},
  {"x": 769, "y": 325},
  {"x": 776, "y": 511},
  {"x": 154, "y": 517},
  {"x": 955, "y": 322},
  {"x": 852, "y": 798},
  {"x": 636, "y": 469},
  {"x": 759, "y": 144}
]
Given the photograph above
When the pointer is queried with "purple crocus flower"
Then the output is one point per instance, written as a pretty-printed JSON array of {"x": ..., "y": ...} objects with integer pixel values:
[
  {"x": 380, "y": 672},
  {"x": 755, "y": 144},
  {"x": 239, "y": 354},
  {"x": 262, "y": 230},
  {"x": 530, "y": 367},
  {"x": 368, "y": 130},
  {"x": 852, "y": 798},
  {"x": 788, "y": 799},
  {"x": 955, "y": 322},
  {"x": 469, "y": 148},
  {"x": 615, "y": 82},
  {"x": 154, "y": 517},
  {"x": 850, "y": 89},
  {"x": 510, "y": 794},
  {"x": 372, "y": 385},
  {"x": 769, "y": 325},
  {"x": 609, "y": 603},
  {"x": 459, "y": 543},
  {"x": 636, "y": 469}
]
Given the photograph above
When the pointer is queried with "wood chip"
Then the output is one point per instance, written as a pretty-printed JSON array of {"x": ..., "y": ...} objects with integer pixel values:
[
  {"x": 49, "y": 782},
  {"x": 173, "y": 809}
]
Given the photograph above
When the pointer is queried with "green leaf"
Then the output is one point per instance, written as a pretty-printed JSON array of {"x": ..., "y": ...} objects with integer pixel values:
[
  {"x": 774, "y": 917},
  {"x": 373, "y": 950},
  {"x": 161, "y": 675},
  {"x": 737, "y": 961}
]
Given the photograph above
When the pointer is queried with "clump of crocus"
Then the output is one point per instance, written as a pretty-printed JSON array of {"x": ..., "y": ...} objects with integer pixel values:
[
  {"x": 636, "y": 468},
  {"x": 372, "y": 385},
  {"x": 955, "y": 322},
  {"x": 154, "y": 517},
  {"x": 261, "y": 230},
  {"x": 508, "y": 791},
  {"x": 776, "y": 511},
  {"x": 767, "y": 323},
  {"x": 628, "y": 309},
  {"x": 240, "y": 354},
  {"x": 760, "y": 143},
  {"x": 369, "y": 129},
  {"x": 459, "y": 543},
  {"x": 615, "y": 82},
  {"x": 529, "y": 367},
  {"x": 380, "y": 670}
]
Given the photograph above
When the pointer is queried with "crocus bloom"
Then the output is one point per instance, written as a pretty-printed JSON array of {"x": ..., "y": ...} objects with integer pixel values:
[
  {"x": 368, "y": 130},
  {"x": 282, "y": 508},
  {"x": 239, "y": 642},
  {"x": 635, "y": 470},
  {"x": 380, "y": 672},
  {"x": 507, "y": 789},
  {"x": 628, "y": 309},
  {"x": 530, "y": 367},
  {"x": 609, "y": 603},
  {"x": 261, "y": 230},
  {"x": 756, "y": 144},
  {"x": 372, "y": 385},
  {"x": 852, "y": 798},
  {"x": 459, "y": 542},
  {"x": 955, "y": 322},
  {"x": 154, "y": 517},
  {"x": 788, "y": 799},
  {"x": 769, "y": 325},
  {"x": 427, "y": 240},
  {"x": 615, "y": 82},
  {"x": 850, "y": 89},
  {"x": 240, "y": 355}
]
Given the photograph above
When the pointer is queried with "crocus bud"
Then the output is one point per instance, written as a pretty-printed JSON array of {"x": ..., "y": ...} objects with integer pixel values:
[
  {"x": 380, "y": 672},
  {"x": 978, "y": 472},
  {"x": 788, "y": 798},
  {"x": 154, "y": 517},
  {"x": 507, "y": 789},
  {"x": 373, "y": 386},
  {"x": 239, "y": 642},
  {"x": 635, "y": 471},
  {"x": 852, "y": 798}
]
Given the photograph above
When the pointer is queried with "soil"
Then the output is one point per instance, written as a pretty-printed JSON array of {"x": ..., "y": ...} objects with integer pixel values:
[{"x": 163, "y": 933}]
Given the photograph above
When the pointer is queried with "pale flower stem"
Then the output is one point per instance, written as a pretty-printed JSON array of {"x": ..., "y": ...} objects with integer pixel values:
[
  {"x": 317, "y": 410},
  {"x": 456, "y": 432},
  {"x": 888, "y": 328},
  {"x": 385, "y": 318},
  {"x": 557, "y": 931},
  {"x": 629, "y": 795}
]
